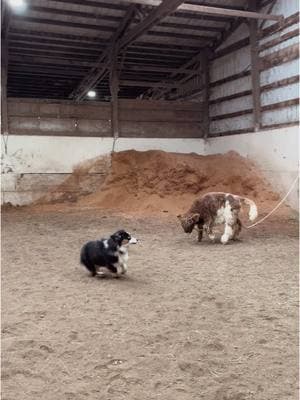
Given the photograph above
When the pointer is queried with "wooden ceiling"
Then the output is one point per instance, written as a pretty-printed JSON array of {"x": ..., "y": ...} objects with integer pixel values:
[{"x": 59, "y": 49}]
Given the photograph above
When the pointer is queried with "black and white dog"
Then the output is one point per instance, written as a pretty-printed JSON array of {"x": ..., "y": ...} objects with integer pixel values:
[{"x": 110, "y": 254}]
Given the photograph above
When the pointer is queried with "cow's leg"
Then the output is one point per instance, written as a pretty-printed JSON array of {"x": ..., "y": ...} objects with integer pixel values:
[
  {"x": 237, "y": 229},
  {"x": 200, "y": 232},
  {"x": 227, "y": 235},
  {"x": 209, "y": 231}
]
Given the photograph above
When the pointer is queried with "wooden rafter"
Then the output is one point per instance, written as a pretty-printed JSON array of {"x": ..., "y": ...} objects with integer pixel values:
[
  {"x": 163, "y": 10},
  {"x": 103, "y": 61},
  {"x": 195, "y": 8},
  {"x": 121, "y": 41},
  {"x": 134, "y": 68},
  {"x": 169, "y": 85}
]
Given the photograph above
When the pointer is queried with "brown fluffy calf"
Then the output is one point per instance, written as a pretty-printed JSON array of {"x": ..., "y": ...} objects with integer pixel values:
[{"x": 217, "y": 208}]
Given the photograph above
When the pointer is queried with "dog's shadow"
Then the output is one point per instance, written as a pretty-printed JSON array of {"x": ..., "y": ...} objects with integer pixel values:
[{"x": 125, "y": 280}]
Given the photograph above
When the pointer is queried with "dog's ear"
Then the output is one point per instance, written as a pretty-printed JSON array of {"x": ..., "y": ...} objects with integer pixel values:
[
  {"x": 195, "y": 218},
  {"x": 116, "y": 237}
]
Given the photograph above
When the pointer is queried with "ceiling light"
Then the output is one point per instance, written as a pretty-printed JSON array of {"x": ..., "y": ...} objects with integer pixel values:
[
  {"x": 91, "y": 93},
  {"x": 17, "y": 5}
]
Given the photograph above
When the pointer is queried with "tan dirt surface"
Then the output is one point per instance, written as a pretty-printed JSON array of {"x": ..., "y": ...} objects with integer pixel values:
[{"x": 190, "y": 321}]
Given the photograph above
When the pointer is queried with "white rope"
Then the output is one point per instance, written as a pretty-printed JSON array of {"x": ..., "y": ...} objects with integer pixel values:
[{"x": 274, "y": 209}]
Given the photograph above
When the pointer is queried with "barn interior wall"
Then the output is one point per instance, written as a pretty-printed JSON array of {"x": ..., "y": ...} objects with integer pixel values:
[
  {"x": 230, "y": 75},
  {"x": 47, "y": 140},
  {"x": 34, "y": 164},
  {"x": 275, "y": 152}
]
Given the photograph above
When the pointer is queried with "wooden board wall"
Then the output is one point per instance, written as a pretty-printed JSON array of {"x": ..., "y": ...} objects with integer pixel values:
[
  {"x": 231, "y": 89},
  {"x": 137, "y": 118}
]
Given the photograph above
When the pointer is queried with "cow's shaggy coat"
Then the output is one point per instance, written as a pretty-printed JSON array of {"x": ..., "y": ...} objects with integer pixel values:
[{"x": 217, "y": 208}]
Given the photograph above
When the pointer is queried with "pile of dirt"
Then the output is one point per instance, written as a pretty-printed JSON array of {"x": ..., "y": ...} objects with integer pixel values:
[
  {"x": 86, "y": 178},
  {"x": 156, "y": 181}
]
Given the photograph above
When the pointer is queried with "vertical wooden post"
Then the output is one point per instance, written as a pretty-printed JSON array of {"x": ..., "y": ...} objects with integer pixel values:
[
  {"x": 255, "y": 74},
  {"x": 205, "y": 72},
  {"x": 114, "y": 89},
  {"x": 4, "y": 68},
  {"x": 4, "y": 113}
]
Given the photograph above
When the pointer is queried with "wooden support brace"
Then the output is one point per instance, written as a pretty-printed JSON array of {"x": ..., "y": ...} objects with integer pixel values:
[
  {"x": 4, "y": 114},
  {"x": 255, "y": 74},
  {"x": 114, "y": 89},
  {"x": 205, "y": 69},
  {"x": 4, "y": 68},
  {"x": 203, "y": 9}
]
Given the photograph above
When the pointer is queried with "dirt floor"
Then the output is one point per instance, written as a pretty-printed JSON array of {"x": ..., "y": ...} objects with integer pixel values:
[{"x": 190, "y": 321}]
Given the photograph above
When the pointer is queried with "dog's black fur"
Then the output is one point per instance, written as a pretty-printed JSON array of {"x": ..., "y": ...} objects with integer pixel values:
[{"x": 104, "y": 252}]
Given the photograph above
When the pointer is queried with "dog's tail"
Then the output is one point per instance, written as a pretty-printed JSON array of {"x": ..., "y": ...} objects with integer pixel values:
[
  {"x": 253, "y": 208},
  {"x": 84, "y": 260}
]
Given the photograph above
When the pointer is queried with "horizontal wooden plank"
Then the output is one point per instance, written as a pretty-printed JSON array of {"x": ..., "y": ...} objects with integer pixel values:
[
  {"x": 274, "y": 106},
  {"x": 281, "y": 39},
  {"x": 281, "y": 104},
  {"x": 279, "y": 26},
  {"x": 231, "y": 48},
  {"x": 280, "y": 57},
  {"x": 160, "y": 115},
  {"x": 60, "y": 110},
  {"x": 281, "y": 83},
  {"x": 231, "y": 97},
  {"x": 55, "y": 101},
  {"x": 230, "y": 78},
  {"x": 270, "y": 86},
  {"x": 94, "y": 110},
  {"x": 58, "y": 127},
  {"x": 263, "y": 128},
  {"x": 232, "y": 115},
  {"x": 280, "y": 125},
  {"x": 157, "y": 104},
  {"x": 231, "y": 132},
  {"x": 105, "y": 115},
  {"x": 160, "y": 130}
]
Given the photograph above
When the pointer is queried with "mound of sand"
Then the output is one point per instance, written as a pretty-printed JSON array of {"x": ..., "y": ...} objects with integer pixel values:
[
  {"x": 156, "y": 181},
  {"x": 86, "y": 178}
]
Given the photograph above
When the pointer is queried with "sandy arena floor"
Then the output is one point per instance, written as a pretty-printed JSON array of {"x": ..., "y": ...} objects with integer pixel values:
[{"x": 190, "y": 321}]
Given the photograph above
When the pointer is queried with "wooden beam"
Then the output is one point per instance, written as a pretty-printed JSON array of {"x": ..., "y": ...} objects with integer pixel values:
[
  {"x": 230, "y": 78},
  {"x": 163, "y": 10},
  {"x": 224, "y": 12},
  {"x": 4, "y": 59},
  {"x": 189, "y": 64},
  {"x": 4, "y": 70},
  {"x": 255, "y": 71},
  {"x": 280, "y": 39},
  {"x": 121, "y": 41},
  {"x": 14, "y": 58},
  {"x": 47, "y": 21},
  {"x": 126, "y": 82},
  {"x": 100, "y": 68},
  {"x": 279, "y": 26},
  {"x": 205, "y": 69},
  {"x": 146, "y": 68},
  {"x": 48, "y": 60},
  {"x": 114, "y": 89},
  {"x": 270, "y": 86},
  {"x": 268, "y": 107},
  {"x": 232, "y": 27},
  {"x": 280, "y": 57}
]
